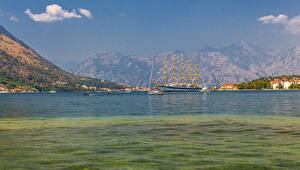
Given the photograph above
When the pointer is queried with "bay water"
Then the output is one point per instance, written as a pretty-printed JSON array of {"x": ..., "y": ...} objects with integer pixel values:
[
  {"x": 219, "y": 130},
  {"x": 281, "y": 103}
]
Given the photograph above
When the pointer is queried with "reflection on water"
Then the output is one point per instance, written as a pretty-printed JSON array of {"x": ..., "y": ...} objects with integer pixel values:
[{"x": 75, "y": 104}]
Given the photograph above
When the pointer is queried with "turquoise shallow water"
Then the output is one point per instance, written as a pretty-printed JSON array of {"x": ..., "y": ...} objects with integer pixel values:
[
  {"x": 221, "y": 130},
  {"x": 284, "y": 103}
]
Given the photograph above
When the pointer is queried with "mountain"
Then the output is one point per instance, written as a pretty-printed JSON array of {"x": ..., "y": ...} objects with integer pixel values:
[
  {"x": 286, "y": 62},
  {"x": 116, "y": 67},
  {"x": 20, "y": 65},
  {"x": 236, "y": 62}
]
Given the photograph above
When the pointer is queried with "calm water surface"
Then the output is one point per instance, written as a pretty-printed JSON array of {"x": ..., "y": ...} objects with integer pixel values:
[
  {"x": 122, "y": 131},
  {"x": 285, "y": 103}
]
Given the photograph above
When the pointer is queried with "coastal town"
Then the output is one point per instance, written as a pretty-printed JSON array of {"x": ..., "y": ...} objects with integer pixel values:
[
  {"x": 23, "y": 89},
  {"x": 275, "y": 84},
  {"x": 285, "y": 83},
  {"x": 282, "y": 83}
]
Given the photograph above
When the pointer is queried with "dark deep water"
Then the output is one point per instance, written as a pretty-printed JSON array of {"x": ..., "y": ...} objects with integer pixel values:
[{"x": 283, "y": 103}]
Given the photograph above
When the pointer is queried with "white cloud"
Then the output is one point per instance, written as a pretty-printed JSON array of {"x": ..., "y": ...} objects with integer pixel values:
[
  {"x": 53, "y": 13},
  {"x": 291, "y": 25},
  {"x": 86, "y": 13},
  {"x": 13, "y": 18},
  {"x": 274, "y": 20}
]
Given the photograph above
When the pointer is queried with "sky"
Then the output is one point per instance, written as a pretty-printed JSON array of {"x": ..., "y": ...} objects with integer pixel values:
[{"x": 71, "y": 30}]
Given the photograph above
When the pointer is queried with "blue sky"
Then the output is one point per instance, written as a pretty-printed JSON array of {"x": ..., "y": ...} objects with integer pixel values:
[{"x": 143, "y": 27}]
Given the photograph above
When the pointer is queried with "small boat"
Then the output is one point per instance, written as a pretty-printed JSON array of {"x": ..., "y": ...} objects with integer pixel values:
[
  {"x": 155, "y": 91},
  {"x": 205, "y": 90},
  {"x": 86, "y": 94},
  {"x": 52, "y": 91}
]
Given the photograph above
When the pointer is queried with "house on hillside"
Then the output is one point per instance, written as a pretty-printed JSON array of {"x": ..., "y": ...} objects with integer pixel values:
[
  {"x": 3, "y": 88},
  {"x": 93, "y": 88},
  {"x": 287, "y": 84},
  {"x": 284, "y": 83},
  {"x": 84, "y": 86},
  {"x": 275, "y": 84},
  {"x": 227, "y": 86},
  {"x": 297, "y": 80}
]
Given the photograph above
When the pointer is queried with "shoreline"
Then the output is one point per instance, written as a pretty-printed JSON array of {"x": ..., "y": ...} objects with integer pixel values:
[{"x": 257, "y": 90}]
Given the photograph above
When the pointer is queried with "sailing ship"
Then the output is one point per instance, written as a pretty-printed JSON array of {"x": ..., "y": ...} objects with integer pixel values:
[{"x": 182, "y": 87}]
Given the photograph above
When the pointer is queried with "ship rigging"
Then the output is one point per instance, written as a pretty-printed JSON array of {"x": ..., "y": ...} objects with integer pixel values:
[{"x": 191, "y": 85}]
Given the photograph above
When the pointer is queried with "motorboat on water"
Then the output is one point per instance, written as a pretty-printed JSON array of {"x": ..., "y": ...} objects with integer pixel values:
[
  {"x": 205, "y": 90},
  {"x": 155, "y": 91}
]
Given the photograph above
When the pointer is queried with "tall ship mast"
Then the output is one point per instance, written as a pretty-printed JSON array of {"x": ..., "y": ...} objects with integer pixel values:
[
  {"x": 173, "y": 71},
  {"x": 196, "y": 75},
  {"x": 153, "y": 91},
  {"x": 165, "y": 72},
  {"x": 181, "y": 71},
  {"x": 190, "y": 69},
  {"x": 181, "y": 86}
]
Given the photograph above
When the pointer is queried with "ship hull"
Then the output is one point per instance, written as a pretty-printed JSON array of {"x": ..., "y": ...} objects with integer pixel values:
[{"x": 171, "y": 89}]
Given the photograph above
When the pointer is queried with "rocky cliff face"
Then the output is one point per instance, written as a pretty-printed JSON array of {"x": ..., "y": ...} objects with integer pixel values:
[{"x": 231, "y": 63}]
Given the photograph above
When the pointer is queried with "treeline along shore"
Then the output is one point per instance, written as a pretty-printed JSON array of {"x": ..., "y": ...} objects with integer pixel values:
[{"x": 284, "y": 82}]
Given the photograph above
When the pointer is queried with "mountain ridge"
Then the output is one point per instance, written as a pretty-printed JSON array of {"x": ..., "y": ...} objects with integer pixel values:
[
  {"x": 232, "y": 63},
  {"x": 20, "y": 65}
]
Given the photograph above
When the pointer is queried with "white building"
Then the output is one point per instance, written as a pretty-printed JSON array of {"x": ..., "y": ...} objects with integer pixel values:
[
  {"x": 275, "y": 85},
  {"x": 287, "y": 84}
]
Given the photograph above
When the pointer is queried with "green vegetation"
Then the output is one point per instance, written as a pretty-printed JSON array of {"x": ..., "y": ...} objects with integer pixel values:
[
  {"x": 285, "y": 76},
  {"x": 174, "y": 142},
  {"x": 265, "y": 82},
  {"x": 262, "y": 83},
  {"x": 295, "y": 86}
]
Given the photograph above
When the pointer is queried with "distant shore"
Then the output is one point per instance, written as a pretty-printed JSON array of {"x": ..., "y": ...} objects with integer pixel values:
[{"x": 257, "y": 90}]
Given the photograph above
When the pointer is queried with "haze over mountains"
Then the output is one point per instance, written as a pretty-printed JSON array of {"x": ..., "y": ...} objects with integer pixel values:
[{"x": 236, "y": 62}]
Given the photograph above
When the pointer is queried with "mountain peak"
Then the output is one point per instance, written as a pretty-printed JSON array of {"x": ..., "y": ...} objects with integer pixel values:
[
  {"x": 207, "y": 48},
  {"x": 243, "y": 44},
  {"x": 105, "y": 54}
]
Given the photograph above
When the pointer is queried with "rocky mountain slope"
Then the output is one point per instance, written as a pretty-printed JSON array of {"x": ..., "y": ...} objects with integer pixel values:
[
  {"x": 230, "y": 63},
  {"x": 21, "y": 65}
]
